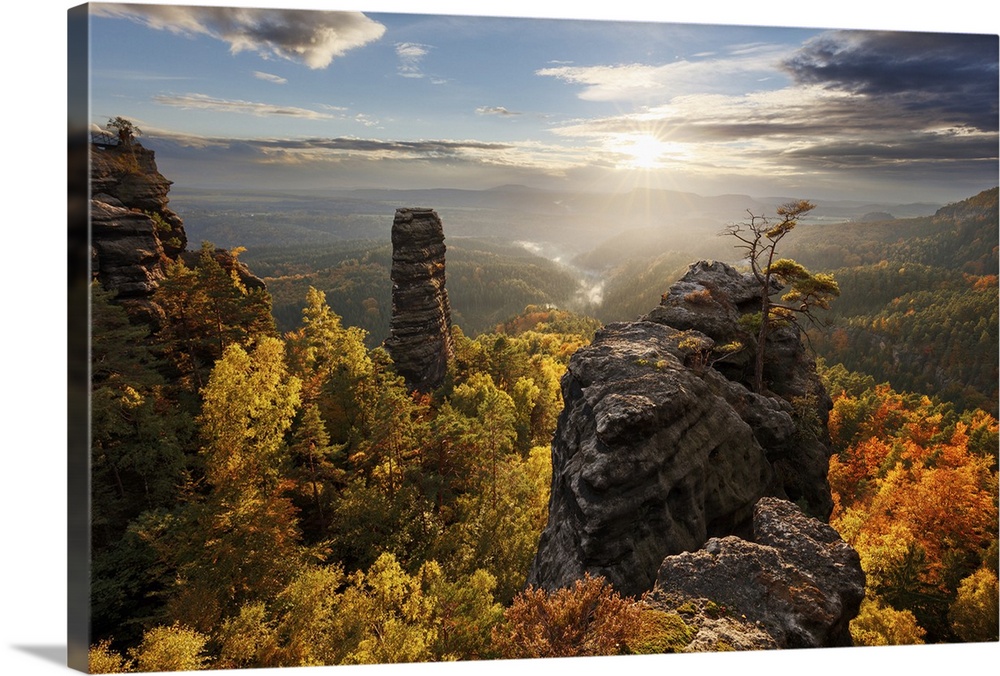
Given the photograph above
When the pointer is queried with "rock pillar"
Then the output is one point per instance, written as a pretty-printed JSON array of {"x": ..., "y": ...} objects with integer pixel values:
[{"x": 420, "y": 333}]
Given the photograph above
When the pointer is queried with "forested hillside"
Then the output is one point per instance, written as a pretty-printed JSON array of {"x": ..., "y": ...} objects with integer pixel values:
[
  {"x": 488, "y": 282},
  {"x": 267, "y": 492},
  {"x": 919, "y": 301}
]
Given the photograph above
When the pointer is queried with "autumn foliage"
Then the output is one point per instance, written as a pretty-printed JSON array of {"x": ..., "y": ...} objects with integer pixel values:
[
  {"x": 915, "y": 492},
  {"x": 589, "y": 618}
]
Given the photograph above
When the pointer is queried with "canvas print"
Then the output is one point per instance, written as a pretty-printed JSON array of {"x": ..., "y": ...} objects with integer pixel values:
[{"x": 417, "y": 338}]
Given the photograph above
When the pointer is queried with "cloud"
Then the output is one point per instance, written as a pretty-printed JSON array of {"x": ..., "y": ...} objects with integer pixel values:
[
  {"x": 902, "y": 104},
  {"x": 644, "y": 82},
  {"x": 459, "y": 159},
  {"x": 410, "y": 56},
  {"x": 800, "y": 130},
  {"x": 268, "y": 77},
  {"x": 495, "y": 110},
  {"x": 426, "y": 148},
  {"x": 944, "y": 76},
  {"x": 313, "y": 38},
  {"x": 204, "y": 102}
]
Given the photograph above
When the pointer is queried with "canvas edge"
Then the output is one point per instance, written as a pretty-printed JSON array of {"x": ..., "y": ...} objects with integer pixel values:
[{"x": 78, "y": 339}]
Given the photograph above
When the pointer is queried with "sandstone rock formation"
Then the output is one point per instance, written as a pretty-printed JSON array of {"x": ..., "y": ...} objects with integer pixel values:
[
  {"x": 660, "y": 447},
  {"x": 793, "y": 579},
  {"x": 133, "y": 233},
  {"x": 420, "y": 341},
  {"x": 711, "y": 298}
]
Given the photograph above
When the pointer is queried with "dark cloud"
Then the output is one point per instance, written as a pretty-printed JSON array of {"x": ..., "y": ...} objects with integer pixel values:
[
  {"x": 951, "y": 78},
  {"x": 943, "y": 148},
  {"x": 309, "y": 37}
]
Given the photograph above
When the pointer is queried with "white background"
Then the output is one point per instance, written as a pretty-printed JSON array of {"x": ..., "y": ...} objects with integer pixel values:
[{"x": 33, "y": 327}]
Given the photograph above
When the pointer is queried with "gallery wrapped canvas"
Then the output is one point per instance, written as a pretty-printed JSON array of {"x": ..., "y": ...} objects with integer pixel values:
[{"x": 411, "y": 338}]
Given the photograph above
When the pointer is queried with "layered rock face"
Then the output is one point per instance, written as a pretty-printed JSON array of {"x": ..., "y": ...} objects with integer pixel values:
[
  {"x": 133, "y": 233},
  {"x": 711, "y": 298},
  {"x": 659, "y": 448},
  {"x": 794, "y": 580},
  {"x": 420, "y": 341}
]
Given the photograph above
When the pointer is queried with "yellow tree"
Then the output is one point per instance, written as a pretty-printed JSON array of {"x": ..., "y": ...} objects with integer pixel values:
[{"x": 241, "y": 541}]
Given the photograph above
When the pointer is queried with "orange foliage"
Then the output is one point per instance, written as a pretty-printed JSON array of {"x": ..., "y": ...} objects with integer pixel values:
[
  {"x": 907, "y": 467},
  {"x": 588, "y": 619},
  {"x": 983, "y": 283}
]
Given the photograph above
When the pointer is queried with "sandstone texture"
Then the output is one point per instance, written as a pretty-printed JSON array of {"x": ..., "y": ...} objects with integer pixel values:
[
  {"x": 134, "y": 235},
  {"x": 661, "y": 445},
  {"x": 711, "y": 298},
  {"x": 793, "y": 579},
  {"x": 133, "y": 232},
  {"x": 419, "y": 341}
]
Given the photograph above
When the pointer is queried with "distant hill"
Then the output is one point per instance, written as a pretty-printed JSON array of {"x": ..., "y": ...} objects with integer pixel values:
[
  {"x": 918, "y": 305},
  {"x": 959, "y": 236},
  {"x": 576, "y": 221}
]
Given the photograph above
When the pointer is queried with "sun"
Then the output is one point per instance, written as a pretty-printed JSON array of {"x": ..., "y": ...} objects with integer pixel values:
[{"x": 643, "y": 151}]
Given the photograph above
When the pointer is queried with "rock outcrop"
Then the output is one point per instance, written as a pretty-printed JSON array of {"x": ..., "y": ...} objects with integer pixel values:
[
  {"x": 794, "y": 579},
  {"x": 419, "y": 341},
  {"x": 134, "y": 235},
  {"x": 711, "y": 298},
  {"x": 133, "y": 232},
  {"x": 661, "y": 445}
]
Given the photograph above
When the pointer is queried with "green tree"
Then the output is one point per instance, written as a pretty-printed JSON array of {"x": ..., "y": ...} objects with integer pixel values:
[
  {"x": 759, "y": 238},
  {"x": 239, "y": 543},
  {"x": 207, "y": 309},
  {"x": 125, "y": 129},
  {"x": 315, "y": 465},
  {"x": 137, "y": 457},
  {"x": 500, "y": 535},
  {"x": 493, "y": 417}
]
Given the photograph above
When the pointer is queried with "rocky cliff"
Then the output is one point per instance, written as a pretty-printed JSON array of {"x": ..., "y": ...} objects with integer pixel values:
[
  {"x": 134, "y": 234},
  {"x": 420, "y": 332},
  {"x": 661, "y": 445},
  {"x": 712, "y": 298}
]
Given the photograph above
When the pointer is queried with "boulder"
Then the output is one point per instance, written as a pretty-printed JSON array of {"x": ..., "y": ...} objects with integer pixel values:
[{"x": 793, "y": 578}]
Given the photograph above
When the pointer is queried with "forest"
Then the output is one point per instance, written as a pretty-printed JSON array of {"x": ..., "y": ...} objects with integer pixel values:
[{"x": 267, "y": 492}]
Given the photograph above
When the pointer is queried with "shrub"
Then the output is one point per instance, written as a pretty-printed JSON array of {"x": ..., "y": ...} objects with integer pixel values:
[
  {"x": 701, "y": 297},
  {"x": 878, "y": 624},
  {"x": 589, "y": 618},
  {"x": 174, "y": 648},
  {"x": 102, "y": 659}
]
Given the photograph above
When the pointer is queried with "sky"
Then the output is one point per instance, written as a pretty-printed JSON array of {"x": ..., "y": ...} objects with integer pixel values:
[{"x": 254, "y": 98}]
